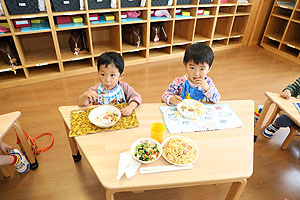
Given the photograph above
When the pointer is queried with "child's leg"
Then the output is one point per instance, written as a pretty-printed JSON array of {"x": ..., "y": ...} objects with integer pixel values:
[
  {"x": 281, "y": 121},
  {"x": 6, "y": 160}
]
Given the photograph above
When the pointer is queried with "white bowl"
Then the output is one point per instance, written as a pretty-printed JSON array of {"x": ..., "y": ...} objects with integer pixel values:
[
  {"x": 185, "y": 139},
  {"x": 134, "y": 145},
  {"x": 97, "y": 115},
  {"x": 191, "y": 108}
]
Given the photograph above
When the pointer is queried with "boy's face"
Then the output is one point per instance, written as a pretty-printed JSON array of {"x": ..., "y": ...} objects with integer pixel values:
[
  {"x": 109, "y": 76},
  {"x": 195, "y": 71}
]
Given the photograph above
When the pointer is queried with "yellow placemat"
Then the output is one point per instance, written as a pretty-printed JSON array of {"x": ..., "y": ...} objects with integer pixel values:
[{"x": 81, "y": 125}]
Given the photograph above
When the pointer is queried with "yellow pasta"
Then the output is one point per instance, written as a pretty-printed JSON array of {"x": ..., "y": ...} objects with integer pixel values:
[{"x": 179, "y": 150}]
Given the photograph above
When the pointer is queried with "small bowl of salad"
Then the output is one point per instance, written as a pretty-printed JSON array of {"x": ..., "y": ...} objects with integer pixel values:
[{"x": 146, "y": 150}]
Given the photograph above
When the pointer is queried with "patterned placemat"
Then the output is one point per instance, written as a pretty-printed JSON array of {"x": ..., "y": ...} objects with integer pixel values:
[{"x": 81, "y": 125}]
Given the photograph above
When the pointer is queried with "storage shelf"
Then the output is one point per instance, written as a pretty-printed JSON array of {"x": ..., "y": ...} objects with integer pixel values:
[
  {"x": 100, "y": 48},
  {"x": 28, "y": 16},
  {"x": 44, "y": 71},
  {"x": 5, "y": 34},
  {"x": 2, "y": 18},
  {"x": 18, "y": 31},
  {"x": 10, "y": 78},
  {"x": 67, "y": 55},
  {"x": 68, "y": 13},
  {"x": 159, "y": 44},
  {"x": 281, "y": 17},
  {"x": 71, "y": 28},
  {"x": 103, "y": 10},
  {"x": 293, "y": 44},
  {"x": 40, "y": 57},
  {"x": 131, "y": 48},
  {"x": 133, "y": 8}
]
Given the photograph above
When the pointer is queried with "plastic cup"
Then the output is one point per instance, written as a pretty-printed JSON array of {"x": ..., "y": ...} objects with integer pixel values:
[{"x": 157, "y": 131}]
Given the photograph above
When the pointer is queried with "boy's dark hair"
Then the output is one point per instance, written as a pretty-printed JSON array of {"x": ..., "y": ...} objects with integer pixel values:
[
  {"x": 199, "y": 53},
  {"x": 109, "y": 58}
]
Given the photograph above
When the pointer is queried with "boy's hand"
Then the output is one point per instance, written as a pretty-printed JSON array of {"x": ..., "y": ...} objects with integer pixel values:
[
  {"x": 202, "y": 83},
  {"x": 5, "y": 147},
  {"x": 174, "y": 100},
  {"x": 286, "y": 94},
  {"x": 92, "y": 95},
  {"x": 126, "y": 111}
]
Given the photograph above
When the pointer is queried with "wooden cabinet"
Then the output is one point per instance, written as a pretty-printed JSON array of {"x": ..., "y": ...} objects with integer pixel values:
[
  {"x": 45, "y": 54},
  {"x": 282, "y": 35}
]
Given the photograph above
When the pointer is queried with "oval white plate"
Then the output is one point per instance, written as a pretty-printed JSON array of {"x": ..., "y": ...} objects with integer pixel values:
[
  {"x": 197, "y": 107},
  {"x": 140, "y": 141},
  {"x": 164, "y": 143},
  {"x": 96, "y": 116}
]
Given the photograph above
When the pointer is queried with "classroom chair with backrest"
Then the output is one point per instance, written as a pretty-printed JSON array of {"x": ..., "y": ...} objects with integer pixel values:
[{"x": 7, "y": 121}]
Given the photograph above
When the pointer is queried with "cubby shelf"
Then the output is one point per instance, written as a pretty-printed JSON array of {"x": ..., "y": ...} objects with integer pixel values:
[
  {"x": 45, "y": 54},
  {"x": 281, "y": 35}
]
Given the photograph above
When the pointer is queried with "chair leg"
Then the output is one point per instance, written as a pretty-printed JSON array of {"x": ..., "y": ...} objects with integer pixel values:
[
  {"x": 289, "y": 138},
  {"x": 4, "y": 169}
]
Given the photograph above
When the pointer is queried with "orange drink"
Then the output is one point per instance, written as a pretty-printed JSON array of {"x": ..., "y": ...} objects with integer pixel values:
[{"x": 157, "y": 131}]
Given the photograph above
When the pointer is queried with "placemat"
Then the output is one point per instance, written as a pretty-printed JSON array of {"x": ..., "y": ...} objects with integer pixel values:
[
  {"x": 216, "y": 117},
  {"x": 81, "y": 125}
]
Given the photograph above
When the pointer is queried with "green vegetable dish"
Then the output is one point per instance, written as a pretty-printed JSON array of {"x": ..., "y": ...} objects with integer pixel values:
[{"x": 146, "y": 151}]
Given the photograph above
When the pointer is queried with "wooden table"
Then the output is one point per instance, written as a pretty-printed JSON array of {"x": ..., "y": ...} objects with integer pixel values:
[
  {"x": 226, "y": 156},
  {"x": 281, "y": 104}
]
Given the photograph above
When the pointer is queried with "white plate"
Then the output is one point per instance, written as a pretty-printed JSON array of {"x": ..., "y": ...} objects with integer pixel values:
[
  {"x": 97, "y": 115},
  {"x": 140, "y": 141},
  {"x": 191, "y": 108},
  {"x": 186, "y": 140}
]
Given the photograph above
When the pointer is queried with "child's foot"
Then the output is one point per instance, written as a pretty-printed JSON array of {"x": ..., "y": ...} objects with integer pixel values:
[
  {"x": 21, "y": 164},
  {"x": 270, "y": 131}
]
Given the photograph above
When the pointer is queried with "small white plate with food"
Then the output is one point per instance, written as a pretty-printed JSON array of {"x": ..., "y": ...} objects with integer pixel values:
[
  {"x": 146, "y": 150},
  {"x": 191, "y": 109},
  {"x": 105, "y": 116}
]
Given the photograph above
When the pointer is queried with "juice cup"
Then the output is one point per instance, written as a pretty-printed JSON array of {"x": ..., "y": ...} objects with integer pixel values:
[{"x": 157, "y": 131}]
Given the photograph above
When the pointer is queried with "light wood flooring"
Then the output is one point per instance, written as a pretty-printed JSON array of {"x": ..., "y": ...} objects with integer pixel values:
[{"x": 244, "y": 73}]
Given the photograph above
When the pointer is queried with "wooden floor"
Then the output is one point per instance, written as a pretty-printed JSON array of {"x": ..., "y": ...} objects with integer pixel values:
[{"x": 244, "y": 73}]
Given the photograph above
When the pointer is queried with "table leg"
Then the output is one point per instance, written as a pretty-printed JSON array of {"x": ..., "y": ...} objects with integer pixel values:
[
  {"x": 4, "y": 169},
  {"x": 262, "y": 117},
  {"x": 109, "y": 195},
  {"x": 289, "y": 138},
  {"x": 236, "y": 190},
  {"x": 73, "y": 145},
  {"x": 273, "y": 116},
  {"x": 31, "y": 158}
]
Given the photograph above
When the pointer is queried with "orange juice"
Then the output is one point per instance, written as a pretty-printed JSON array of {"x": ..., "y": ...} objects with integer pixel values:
[{"x": 157, "y": 131}]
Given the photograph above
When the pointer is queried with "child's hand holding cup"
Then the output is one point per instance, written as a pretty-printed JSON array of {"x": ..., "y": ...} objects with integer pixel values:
[{"x": 157, "y": 131}]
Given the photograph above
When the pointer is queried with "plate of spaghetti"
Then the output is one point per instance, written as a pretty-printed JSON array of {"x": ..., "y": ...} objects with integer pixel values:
[
  {"x": 104, "y": 116},
  {"x": 191, "y": 108},
  {"x": 180, "y": 150}
]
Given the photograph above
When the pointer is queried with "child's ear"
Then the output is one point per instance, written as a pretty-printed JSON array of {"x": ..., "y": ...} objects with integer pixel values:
[{"x": 121, "y": 76}]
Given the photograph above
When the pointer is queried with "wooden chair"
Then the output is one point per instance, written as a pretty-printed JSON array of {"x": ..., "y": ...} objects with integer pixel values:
[
  {"x": 7, "y": 121},
  {"x": 293, "y": 135}
]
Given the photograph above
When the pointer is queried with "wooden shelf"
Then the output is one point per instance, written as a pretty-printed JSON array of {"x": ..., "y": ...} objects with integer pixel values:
[{"x": 46, "y": 54}]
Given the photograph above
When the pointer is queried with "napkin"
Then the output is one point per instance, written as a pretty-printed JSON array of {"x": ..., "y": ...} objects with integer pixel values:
[{"x": 127, "y": 165}]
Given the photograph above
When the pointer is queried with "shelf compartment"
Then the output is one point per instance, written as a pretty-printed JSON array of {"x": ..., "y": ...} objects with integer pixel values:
[
  {"x": 292, "y": 36},
  {"x": 183, "y": 31},
  {"x": 68, "y": 13},
  {"x": 105, "y": 39},
  {"x": 105, "y": 10},
  {"x": 78, "y": 67},
  {"x": 51, "y": 70},
  {"x": 102, "y": 21},
  {"x": 289, "y": 50},
  {"x": 66, "y": 53},
  {"x": 36, "y": 53},
  {"x": 212, "y": 12},
  {"x": 223, "y": 27},
  {"x": 204, "y": 33},
  {"x": 270, "y": 42},
  {"x": 27, "y": 16},
  {"x": 283, "y": 12},
  {"x": 239, "y": 25},
  {"x": 296, "y": 16},
  {"x": 226, "y": 10},
  {"x": 5, "y": 33},
  {"x": 10, "y": 77},
  {"x": 235, "y": 40},
  {"x": 126, "y": 47},
  {"x": 134, "y": 57},
  {"x": 34, "y": 27},
  {"x": 228, "y": 2},
  {"x": 180, "y": 49},
  {"x": 164, "y": 18},
  {"x": 243, "y": 10},
  {"x": 72, "y": 25},
  {"x": 193, "y": 13},
  {"x": 213, "y": 3},
  {"x": 160, "y": 52},
  {"x": 141, "y": 19},
  {"x": 286, "y": 4},
  {"x": 276, "y": 27},
  {"x": 168, "y": 26},
  {"x": 222, "y": 42}
]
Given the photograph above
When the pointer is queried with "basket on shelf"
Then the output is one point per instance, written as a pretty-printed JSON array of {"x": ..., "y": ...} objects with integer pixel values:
[
  {"x": 183, "y": 2},
  {"x": 66, "y": 5},
  {"x": 130, "y": 3},
  {"x": 18, "y": 7},
  {"x": 96, "y": 4},
  {"x": 159, "y": 2}
]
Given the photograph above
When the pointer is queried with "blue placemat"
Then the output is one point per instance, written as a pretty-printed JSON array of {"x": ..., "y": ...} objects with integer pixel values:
[
  {"x": 132, "y": 19},
  {"x": 36, "y": 27},
  {"x": 102, "y": 20},
  {"x": 68, "y": 25},
  {"x": 1, "y": 33},
  {"x": 180, "y": 16},
  {"x": 297, "y": 106},
  {"x": 158, "y": 18}
]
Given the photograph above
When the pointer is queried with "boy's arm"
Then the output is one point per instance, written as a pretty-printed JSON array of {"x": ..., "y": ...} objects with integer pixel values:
[
  {"x": 294, "y": 88},
  {"x": 172, "y": 90},
  {"x": 130, "y": 94},
  {"x": 88, "y": 97},
  {"x": 212, "y": 93}
]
